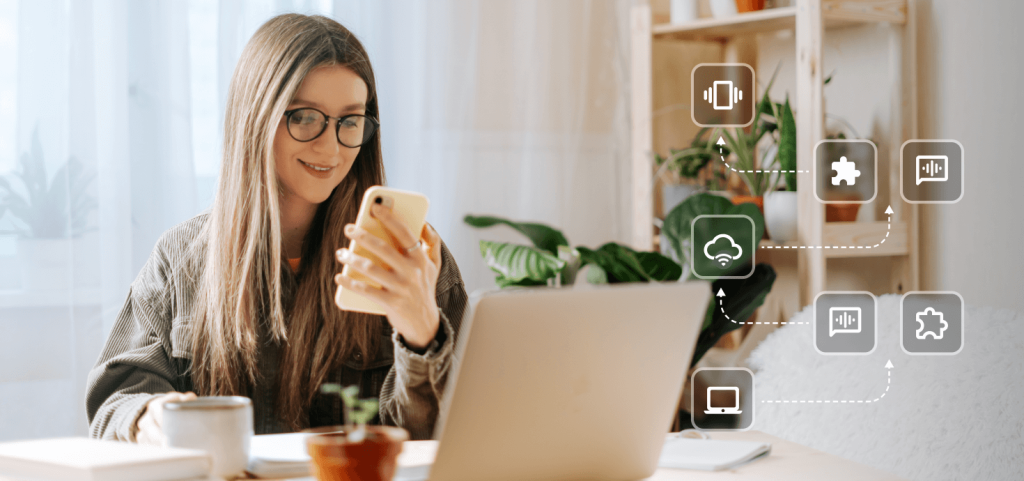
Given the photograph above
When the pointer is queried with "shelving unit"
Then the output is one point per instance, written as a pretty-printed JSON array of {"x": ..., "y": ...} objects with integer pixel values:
[{"x": 808, "y": 19}]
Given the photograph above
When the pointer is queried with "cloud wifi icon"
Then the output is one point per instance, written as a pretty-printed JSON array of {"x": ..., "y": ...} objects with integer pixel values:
[{"x": 726, "y": 250}]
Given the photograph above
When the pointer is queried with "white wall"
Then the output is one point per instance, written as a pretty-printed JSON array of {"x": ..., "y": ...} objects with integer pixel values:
[{"x": 970, "y": 64}]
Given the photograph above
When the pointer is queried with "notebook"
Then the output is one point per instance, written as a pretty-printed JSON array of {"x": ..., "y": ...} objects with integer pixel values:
[
  {"x": 284, "y": 456},
  {"x": 75, "y": 459},
  {"x": 709, "y": 454}
]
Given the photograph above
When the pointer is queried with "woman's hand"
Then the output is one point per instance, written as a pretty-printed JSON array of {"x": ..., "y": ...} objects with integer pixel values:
[
  {"x": 408, "y": 278},
  {"x": 151, "y": 422}
]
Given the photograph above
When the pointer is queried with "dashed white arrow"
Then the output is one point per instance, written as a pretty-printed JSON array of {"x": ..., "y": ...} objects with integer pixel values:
[
  {"x": 721, "y": 294},
  {"x": 888, "y": 384},
  {"x": 721, "y": 155},
  {"x": 888, "y": 229}
]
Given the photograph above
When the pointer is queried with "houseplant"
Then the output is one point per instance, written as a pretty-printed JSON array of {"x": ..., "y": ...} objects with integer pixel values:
[
  {"x": 355, "y": 451},
  {"x": 780, "y": 206},
  {"x": 745, "y": 146},
  {"x": 45, "y": 214},
  {"x": 687, "y": 171},
  {"x": 550, "y": 257}
]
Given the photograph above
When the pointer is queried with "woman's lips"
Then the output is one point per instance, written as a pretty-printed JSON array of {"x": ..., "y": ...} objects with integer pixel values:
[{"x": 321, "y": 174}]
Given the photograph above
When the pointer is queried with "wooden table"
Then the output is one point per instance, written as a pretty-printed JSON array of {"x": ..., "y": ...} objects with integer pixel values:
[{"x": 788, "y": 460}]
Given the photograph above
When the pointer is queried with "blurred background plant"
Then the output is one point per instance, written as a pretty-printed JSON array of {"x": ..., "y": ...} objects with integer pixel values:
[{"x": 44, "y": 208}]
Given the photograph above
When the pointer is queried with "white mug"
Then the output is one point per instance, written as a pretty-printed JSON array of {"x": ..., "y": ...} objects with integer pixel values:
[{"x": 220, "y": 425}]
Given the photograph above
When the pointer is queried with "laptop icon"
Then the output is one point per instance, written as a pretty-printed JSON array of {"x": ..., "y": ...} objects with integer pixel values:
[{"x": 723, "y": 400}]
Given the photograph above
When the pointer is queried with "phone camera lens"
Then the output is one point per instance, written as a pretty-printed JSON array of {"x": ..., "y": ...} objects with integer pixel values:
[{"x": 378, "y": 200}]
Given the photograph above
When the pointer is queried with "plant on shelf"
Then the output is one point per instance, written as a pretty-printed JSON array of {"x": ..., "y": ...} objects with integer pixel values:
[
  {"x": 551, "y": 259},
  {"x": 57, "y": 209},
  {"x": 780, "y": 206},
  {"x": 355, "y": 451},
  {"x": 694, "y": 165},
  {"x": 743, "y": 145}
]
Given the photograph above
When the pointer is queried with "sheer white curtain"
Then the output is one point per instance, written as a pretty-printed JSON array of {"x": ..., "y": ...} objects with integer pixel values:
[{"x": 506, "y": 107}]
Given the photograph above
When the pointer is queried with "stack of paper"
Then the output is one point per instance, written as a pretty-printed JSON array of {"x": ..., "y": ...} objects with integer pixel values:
[
  {"x": 279, "y": 455},
  {"x": 74, "y": 459},
  {"x": 709, "y": 455}
]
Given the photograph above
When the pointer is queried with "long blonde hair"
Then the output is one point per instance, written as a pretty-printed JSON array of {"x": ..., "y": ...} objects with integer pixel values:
[{"x": 242, "y": 281}]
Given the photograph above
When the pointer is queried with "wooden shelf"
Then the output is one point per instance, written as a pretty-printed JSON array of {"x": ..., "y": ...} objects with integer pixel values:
[
  {"x": 854, "y": 238},
  {"x": 836, "y": 13}
]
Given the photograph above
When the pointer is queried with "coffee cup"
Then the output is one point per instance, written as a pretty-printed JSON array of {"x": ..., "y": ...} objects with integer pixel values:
[{"x": 220, "y": 425}]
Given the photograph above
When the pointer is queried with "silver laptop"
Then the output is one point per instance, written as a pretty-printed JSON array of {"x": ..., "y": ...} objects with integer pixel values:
[{"x": 567, "y": 383}]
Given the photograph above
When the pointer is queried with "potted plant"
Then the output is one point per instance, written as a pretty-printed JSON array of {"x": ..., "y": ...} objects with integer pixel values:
[
  {"x": 744, "y": 147},
  {"x": 687, "y": 171},
  {"x": 780, "y": 206},
  {"x": 46, "y": 214},
  {"x": 550, "y": 258},
  {"x": 355, "y": 451}
]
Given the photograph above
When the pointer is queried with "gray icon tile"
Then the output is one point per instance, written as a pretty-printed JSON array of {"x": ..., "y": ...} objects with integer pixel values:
[
  {"x": 845, "y": 323},
  {"x": 722, "y": 399},
  {"x": 932, "y": 323}
]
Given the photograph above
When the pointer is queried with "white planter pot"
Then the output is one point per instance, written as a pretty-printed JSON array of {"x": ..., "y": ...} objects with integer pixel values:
[
  {"x": 722, "y": 8},
  {"x": 674, "y": 194},
  {"x": 45, "y": 263},
  {"x": 780, "y": 216},
  {"x": 682, "y": 11}
]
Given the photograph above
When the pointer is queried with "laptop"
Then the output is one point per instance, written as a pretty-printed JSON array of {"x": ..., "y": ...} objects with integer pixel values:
[
  {"x": 570, "y": 383},
  {"x": 727, "y": 404}
]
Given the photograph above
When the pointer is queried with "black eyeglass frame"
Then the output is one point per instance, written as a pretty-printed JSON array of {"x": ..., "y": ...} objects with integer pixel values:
[{"x": 337, "y": 126}]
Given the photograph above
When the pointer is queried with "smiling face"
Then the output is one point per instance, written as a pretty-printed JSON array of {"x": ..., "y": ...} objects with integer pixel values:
[{"x": 336, "y": 91}]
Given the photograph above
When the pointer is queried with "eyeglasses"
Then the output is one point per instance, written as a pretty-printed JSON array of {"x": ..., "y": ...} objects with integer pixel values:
[{"x": 306, "y": 124}]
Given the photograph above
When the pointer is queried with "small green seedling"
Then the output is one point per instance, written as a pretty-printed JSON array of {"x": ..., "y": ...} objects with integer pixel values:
[{"x": 357, "y": 411}]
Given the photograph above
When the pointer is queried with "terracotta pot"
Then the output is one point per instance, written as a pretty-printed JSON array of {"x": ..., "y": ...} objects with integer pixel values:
[
  {"x": 841, "y": 212},
  {"x": 749, "y": 199},
  {"x": 373, "y": 459},
  {"x": 749, "y": 5}
]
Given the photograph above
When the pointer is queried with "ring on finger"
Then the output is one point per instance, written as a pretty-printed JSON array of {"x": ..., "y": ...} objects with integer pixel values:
[{"x": 413, "y": 248}]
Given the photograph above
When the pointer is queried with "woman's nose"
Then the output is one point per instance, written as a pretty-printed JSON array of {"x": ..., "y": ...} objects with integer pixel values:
[{"x": 327, "y": 143}]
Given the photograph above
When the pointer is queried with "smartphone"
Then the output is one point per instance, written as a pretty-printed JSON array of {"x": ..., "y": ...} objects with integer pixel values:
[{"x": 410, "y": 208}]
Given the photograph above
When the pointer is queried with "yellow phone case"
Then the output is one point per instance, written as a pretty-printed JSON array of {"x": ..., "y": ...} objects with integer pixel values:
[{"x": 411, "y": 208}]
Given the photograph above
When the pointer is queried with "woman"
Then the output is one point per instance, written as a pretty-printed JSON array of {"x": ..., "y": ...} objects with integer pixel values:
[{"x": 217, "y": 311}]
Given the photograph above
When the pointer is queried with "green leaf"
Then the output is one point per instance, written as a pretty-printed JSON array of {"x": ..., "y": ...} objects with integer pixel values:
[
  {"x": 596, "y": 275},
  {"x": 542, "y": 236},
  {"x": 787, "y": 146},
  {"x": 519, "y": 264},
  {"x": 678, "y": 222},
  {"x": 619, "y": 262},
  {"x": 659, "y": 267},
  {"x": 742, "y": 298}
]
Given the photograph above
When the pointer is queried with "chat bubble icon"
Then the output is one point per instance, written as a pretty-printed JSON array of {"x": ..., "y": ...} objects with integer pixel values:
[
  {"x": 843, "y": 320},
  {"x": 932, "y": 168}
]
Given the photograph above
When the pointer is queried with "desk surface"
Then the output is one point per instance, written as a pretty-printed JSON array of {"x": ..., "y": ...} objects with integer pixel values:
[{"x": 787, "y": 460}]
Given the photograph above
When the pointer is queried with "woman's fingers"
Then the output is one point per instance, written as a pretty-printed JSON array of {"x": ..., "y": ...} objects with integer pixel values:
[
  {"x": 386, "y": 278},
  {"x": 372, "y": 293},
  {"x": 404, "y": 239},
  {"x": 150, "y": 425},
  {"x": 433, "y": 244},
  {"x": 375, "y": 245}
]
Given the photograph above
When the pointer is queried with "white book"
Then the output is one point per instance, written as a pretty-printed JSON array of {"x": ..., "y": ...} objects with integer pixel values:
[
  {"x": 709, "y": 454},
  {"x": 85, "y": 459}
]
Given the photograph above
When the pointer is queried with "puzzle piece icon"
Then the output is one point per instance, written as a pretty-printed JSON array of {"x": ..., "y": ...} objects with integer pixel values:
[
  {"x": 931, "y": 323},
  {"x": 845, "y": 170}
]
